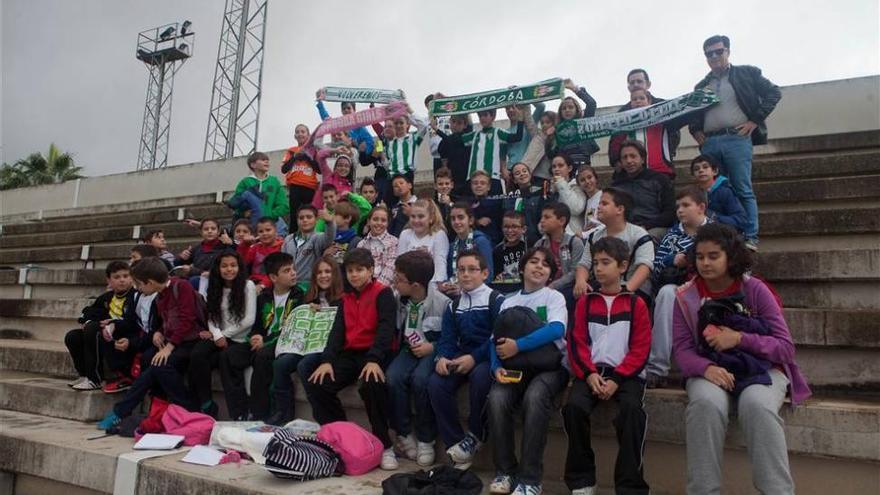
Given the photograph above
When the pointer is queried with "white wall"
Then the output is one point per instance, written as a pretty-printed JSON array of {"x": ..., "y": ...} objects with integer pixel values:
[{"x": 831, "y": 107}]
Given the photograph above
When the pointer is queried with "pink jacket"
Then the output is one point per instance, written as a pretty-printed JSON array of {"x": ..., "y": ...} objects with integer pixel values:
[
  {"x": 343, "y": 185},
  {"x": 777, "y": 347}
]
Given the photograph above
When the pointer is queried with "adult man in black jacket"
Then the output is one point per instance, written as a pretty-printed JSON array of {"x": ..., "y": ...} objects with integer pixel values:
[
  {"x": 726, "y": 131},
  {"x": 652, "y": 192}
]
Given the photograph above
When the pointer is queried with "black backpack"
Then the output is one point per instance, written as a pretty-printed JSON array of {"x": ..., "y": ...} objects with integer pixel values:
[
  {"x": 519, "y": 321},
  {"x": 300, "y": 458},
  {"x": 442, "y": 480}
]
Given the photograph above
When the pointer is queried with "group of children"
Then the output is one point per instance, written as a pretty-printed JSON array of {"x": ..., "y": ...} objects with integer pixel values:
[{"x": 518, "y": 284}]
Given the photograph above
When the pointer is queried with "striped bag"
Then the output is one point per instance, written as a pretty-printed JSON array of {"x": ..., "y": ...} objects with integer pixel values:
[{"x": 300, "y": 458}]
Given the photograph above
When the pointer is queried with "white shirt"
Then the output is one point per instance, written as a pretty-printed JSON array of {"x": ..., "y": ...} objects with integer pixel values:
[
  {"x": 436, "y": 244},
  {"x": 229, "y": 327}
]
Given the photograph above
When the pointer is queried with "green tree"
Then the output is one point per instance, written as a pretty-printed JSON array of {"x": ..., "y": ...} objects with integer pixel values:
[{"x": 37, "y": 170}]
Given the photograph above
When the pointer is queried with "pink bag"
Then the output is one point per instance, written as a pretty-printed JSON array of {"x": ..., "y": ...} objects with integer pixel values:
[
  {"x": 195, "y": 427},
  {"x": 359, "y": 449}
]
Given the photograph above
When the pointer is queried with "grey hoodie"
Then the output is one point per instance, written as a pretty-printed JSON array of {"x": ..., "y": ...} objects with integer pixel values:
[{"x": 308, "y": 250}]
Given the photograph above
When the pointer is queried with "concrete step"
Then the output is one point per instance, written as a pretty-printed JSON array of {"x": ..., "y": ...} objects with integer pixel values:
[
  {"x": 820, "y": 221},
  {"x": 40, "y": 394},
  {"x": 94, "y": 237},
  {"x": 811, "y": 327},
  {"x": 837, "y": 265},
  {"x": 83, "y": 253},
  {"x": 824, "y": 429},
  {"x": 164, "y": 215},
  {"x": 75, "y": 214},
  {"x": 818, "y": 189},
  {"x": 838, "y": 295},
  {"x": 34, "y": 445},
  {"x": 36, "y": 356}
]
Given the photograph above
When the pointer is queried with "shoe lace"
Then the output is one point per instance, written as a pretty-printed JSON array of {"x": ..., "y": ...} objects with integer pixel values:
[{"x": 468, "y": 444}]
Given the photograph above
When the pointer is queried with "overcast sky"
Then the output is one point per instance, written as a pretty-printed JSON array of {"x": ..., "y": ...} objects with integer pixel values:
[{"x": 70, "y": 75}]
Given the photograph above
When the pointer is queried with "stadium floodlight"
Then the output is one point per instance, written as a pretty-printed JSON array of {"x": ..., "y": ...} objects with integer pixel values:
[
  {"x": 167, "y": 33},
  {"x": 184, "y": 28}
]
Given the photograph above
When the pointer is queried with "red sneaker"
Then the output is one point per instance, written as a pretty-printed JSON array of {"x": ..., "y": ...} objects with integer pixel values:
[{"x": 117, "y": 385}]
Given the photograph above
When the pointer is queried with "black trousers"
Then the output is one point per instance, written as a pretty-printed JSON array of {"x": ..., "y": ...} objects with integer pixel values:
[
  {"x": 85, "y": 350},
  {"x": 233, "y": 361},
  {"x": 326, "y": 406},
  {"x": 298, "y": 196},
  {"x": 630, "y": 425},
  {"x": 204, "y": 358}
]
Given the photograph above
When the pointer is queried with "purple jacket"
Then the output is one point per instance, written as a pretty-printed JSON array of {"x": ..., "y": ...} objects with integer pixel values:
[{"x": 777, "y": 347}]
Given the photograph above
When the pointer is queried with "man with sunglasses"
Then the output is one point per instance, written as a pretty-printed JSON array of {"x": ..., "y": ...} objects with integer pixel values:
[{"x": 726, "y": 131}]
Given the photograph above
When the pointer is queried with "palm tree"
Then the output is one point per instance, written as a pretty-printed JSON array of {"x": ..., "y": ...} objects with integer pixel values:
[{"x": 36, "y": 170}]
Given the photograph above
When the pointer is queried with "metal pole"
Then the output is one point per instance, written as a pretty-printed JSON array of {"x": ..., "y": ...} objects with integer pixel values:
[
  {"x": 236, "y": 82},
  {"x": 154, "y": 142}
]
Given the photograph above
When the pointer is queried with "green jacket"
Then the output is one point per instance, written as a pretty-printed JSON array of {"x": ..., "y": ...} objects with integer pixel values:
[
  {"x": 360, "y": 203},
  {"x": 275, "y": 202}
]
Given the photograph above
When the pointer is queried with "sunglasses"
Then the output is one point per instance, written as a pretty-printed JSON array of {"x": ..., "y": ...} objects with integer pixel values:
[{"x": 715, "y": 53}]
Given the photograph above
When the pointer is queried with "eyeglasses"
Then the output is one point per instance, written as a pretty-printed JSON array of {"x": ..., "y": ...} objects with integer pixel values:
[{"x": 715, "y": 53}]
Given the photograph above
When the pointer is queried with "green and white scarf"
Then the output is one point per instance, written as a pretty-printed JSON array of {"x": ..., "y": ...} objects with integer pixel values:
[
  {"x": 551, "y": 89},
  {"x": 577, "y": 130},
  {"x": 362, "y": 95}
]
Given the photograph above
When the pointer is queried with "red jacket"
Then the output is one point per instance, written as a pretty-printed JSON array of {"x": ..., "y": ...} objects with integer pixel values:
[
  {"x": 254, "y": 260},
  {"x": 176, "y": 305},
  {"x": 619, "y": 337},
  {"x": 365, "y": 322}
]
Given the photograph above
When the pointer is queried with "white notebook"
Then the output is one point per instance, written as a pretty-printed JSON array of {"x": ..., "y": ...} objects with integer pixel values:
[{"x": 159, "y": 441}]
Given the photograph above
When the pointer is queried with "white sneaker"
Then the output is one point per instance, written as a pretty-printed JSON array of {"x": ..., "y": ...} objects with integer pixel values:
[
  {"x": 389, "y": 460},
  {"x": 425, "y": 454},
  {"x": 587, "y": 490},
  {"x": 77, "y": 381},
  {"x": 406, "y": 446},
  {"x": 502, "y": 484},
  {"x": 86, "y": 384},
  {"x": 462, "y": 453},
  {"x": 522, "y": 489}
]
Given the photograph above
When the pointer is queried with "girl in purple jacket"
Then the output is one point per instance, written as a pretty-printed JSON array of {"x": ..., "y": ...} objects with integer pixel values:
[{"x": 722, "y": 261}]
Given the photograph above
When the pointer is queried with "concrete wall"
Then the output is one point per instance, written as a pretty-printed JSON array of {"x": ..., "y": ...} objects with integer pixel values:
[{"x": 830, "y": 107}]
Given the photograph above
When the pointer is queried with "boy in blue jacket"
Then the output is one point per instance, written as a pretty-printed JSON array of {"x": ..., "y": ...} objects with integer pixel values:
[
  {"x": 724, "y": 206},
  {"x": 463, "y": 355}
]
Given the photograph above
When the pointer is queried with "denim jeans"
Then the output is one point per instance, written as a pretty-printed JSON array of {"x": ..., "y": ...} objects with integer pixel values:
[
  {"x": 282, "y": 368},
  {"x": 247, "y": 200},
  {"x": 734, "y": 153},
  {"x": 444, "y": 400},
  {"x": 536, "y": 399},
  {"x": 408, "y": 382}
]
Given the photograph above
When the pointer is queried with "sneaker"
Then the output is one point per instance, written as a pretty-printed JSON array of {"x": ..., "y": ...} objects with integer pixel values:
[
  {"x": 77, "y": 381},
  {"x": 501, "y": 484},
  {"x": 276, "y": 419},
  {"x": 117, "y": 385},
  {"x": 752, "y": 245},
  {"x": 523, "y": 489},
  {"x": 655, "y": 381},
  {"x": 389, "y": 460},
  {"x": 86, "y": 384},
  {"x": 110, "y": 420},
  {"x": 406, "y": 446},
  {"x": 587, "y": 490},
  {"x": 425, "y": 454},
  {"x": 462, "y": 453}
]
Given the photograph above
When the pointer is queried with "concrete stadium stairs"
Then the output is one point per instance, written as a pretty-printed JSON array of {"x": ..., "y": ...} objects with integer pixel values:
[{"x": 819, "y": 199}]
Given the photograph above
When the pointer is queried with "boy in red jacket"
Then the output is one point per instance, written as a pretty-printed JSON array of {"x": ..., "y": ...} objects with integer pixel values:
[
  {"x": 608, "y": 347},
  {"x": 358, "y": 348},
  {"x": 267, "y": 243}
]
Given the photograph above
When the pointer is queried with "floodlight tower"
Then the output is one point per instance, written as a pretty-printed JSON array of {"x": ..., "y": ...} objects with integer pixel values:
[
  {"x": 164, "y": 50},
  {"x": 233, "y": 120}
]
